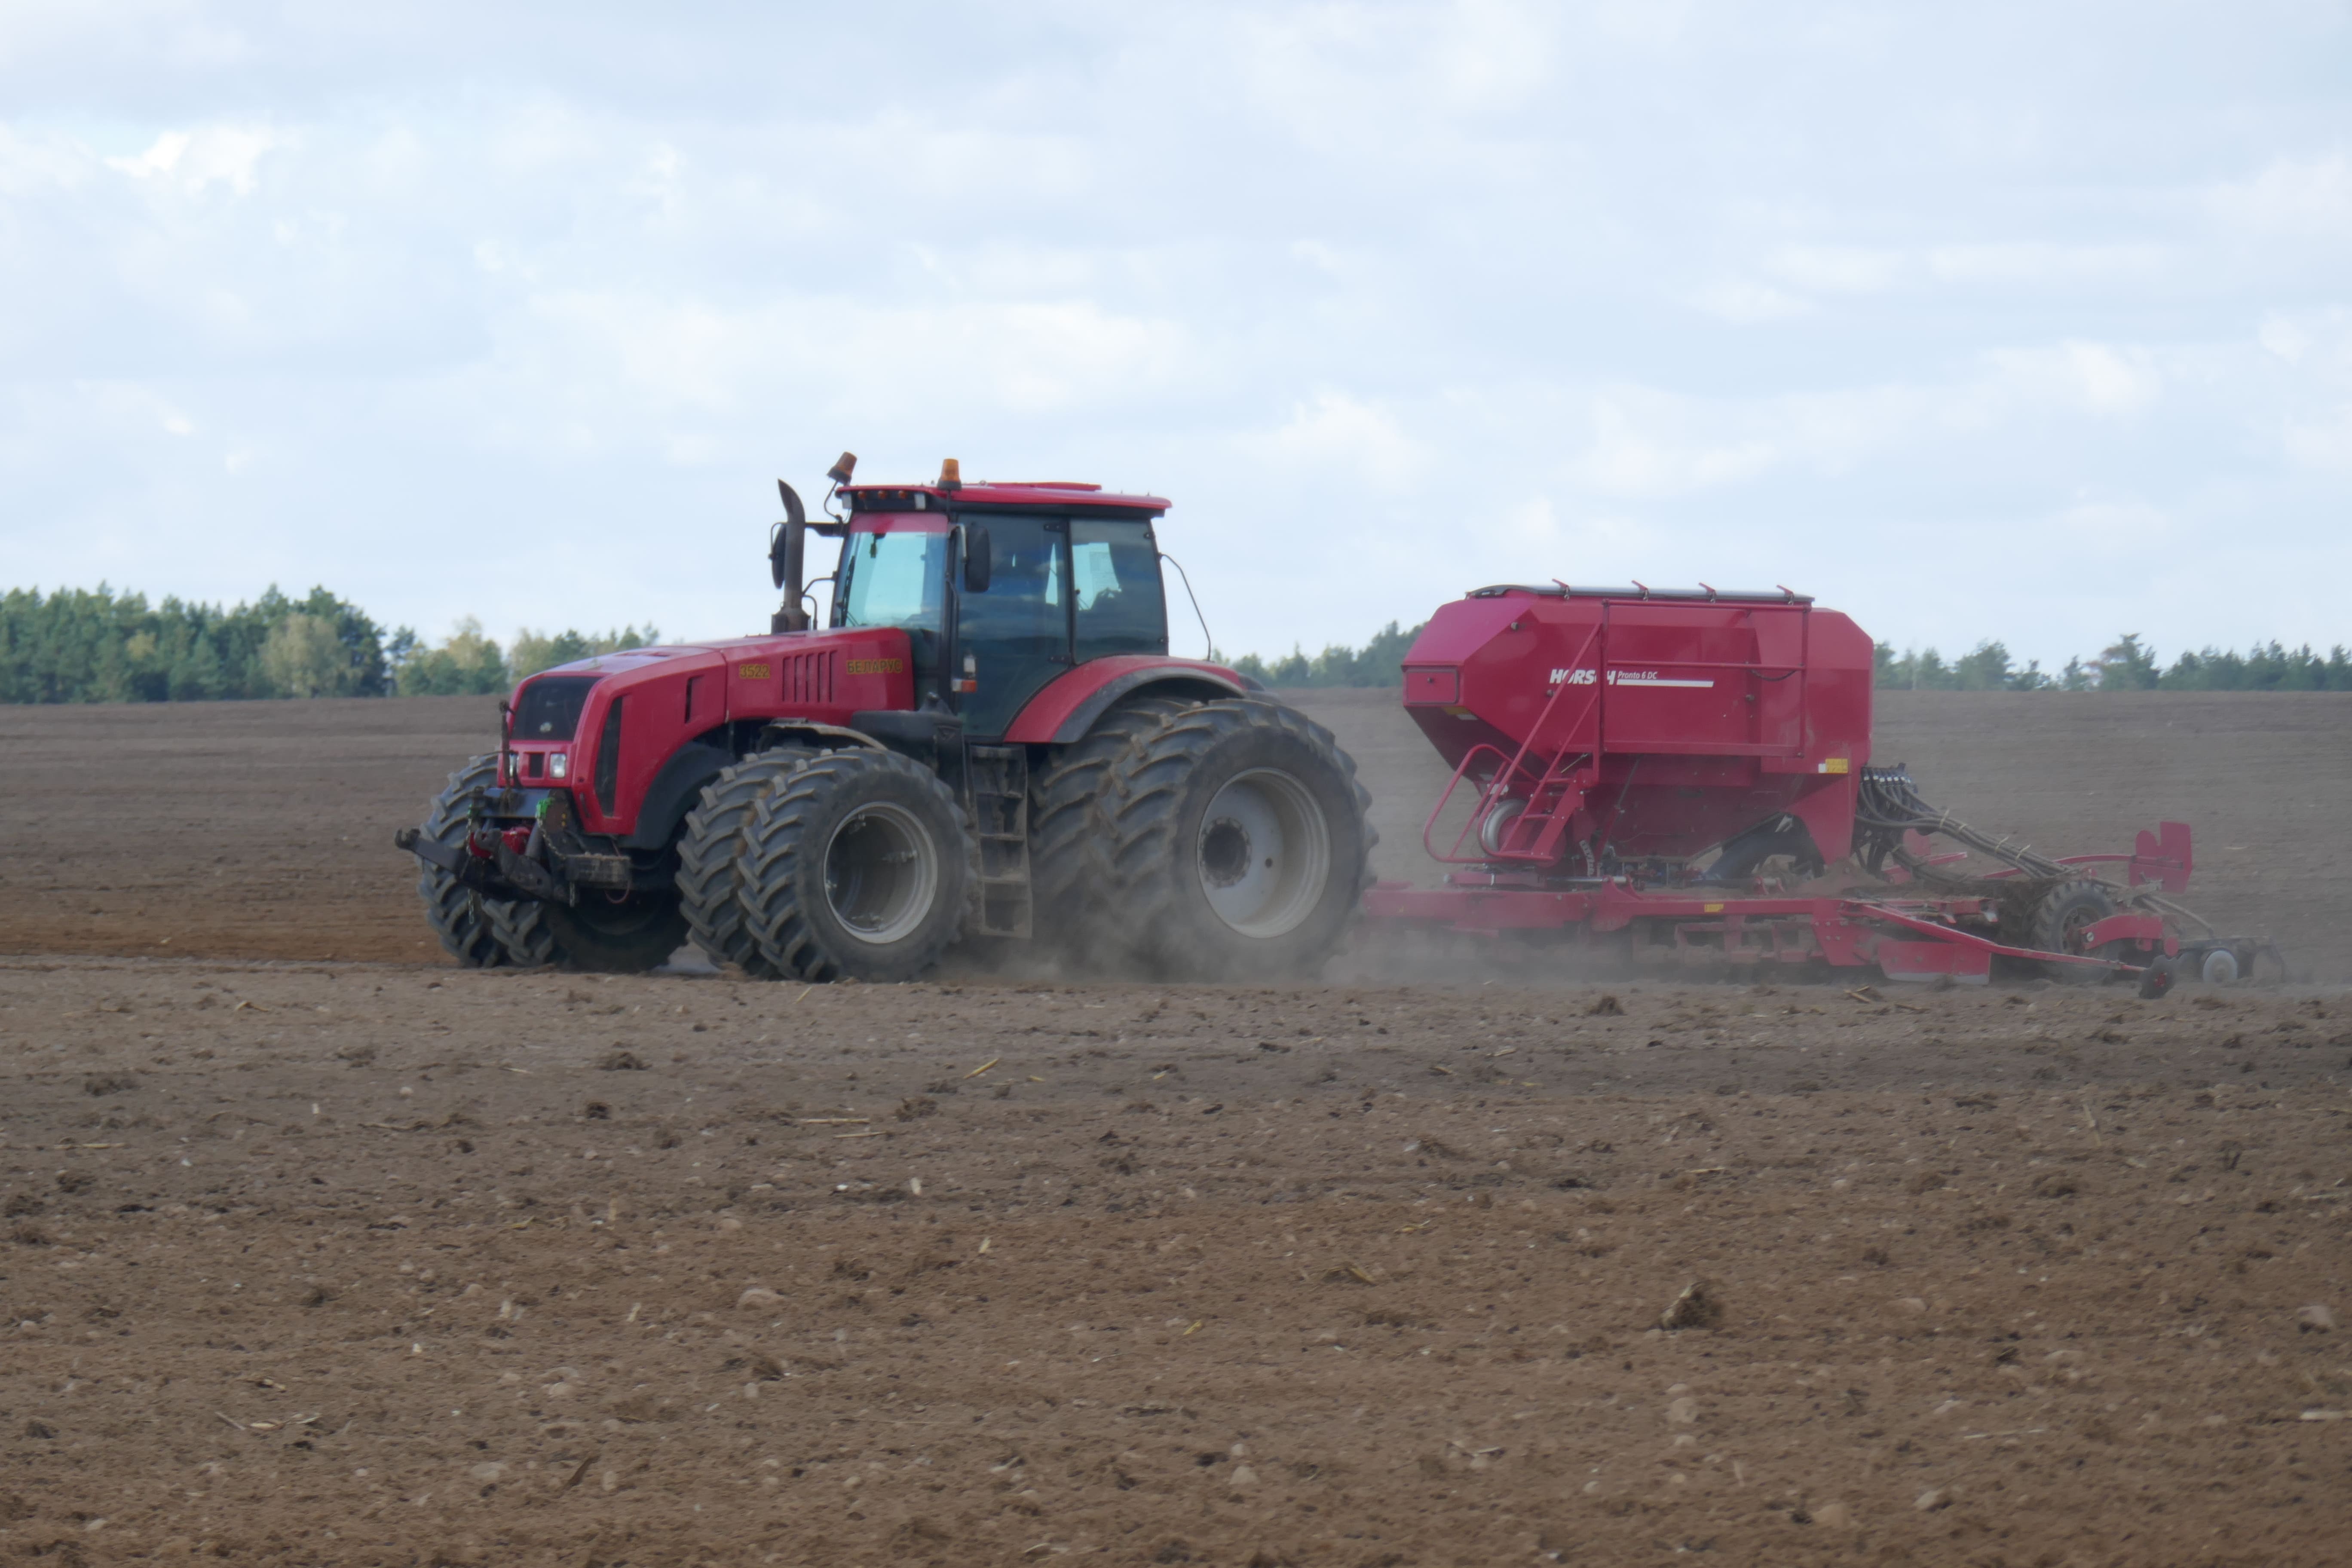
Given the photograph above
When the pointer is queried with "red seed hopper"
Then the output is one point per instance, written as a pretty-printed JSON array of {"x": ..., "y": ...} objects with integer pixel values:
[{"x": 1685, "y": 775}]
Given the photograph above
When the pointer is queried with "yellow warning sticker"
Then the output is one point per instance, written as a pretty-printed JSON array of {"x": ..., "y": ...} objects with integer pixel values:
[
  {"x": 1835, "y": 765},
  {"x": 1714, "y": 909}
]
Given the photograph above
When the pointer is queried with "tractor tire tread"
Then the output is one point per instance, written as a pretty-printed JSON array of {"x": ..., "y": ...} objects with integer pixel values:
[
  {"x": 775, "y": 875},
  {"x": 712, "y": 854},
  {"x": 470, "y": 924},
  {"x": 1137, "y": 831}
]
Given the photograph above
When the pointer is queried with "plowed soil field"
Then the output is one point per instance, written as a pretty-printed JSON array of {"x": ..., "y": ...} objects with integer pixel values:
[{"x": 320, "y": 1250}]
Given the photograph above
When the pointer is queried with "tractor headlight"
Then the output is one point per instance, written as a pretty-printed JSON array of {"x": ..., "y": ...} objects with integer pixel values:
[{"x": 559, "y": 764}]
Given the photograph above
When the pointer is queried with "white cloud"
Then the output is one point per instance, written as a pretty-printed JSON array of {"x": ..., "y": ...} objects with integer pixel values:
[
  {"x": 209, "y": 155},
  {"x": 1839, "y": 268},
  {"x": 1746, "y": 303},
  {"x": 2300, "y": 196}
]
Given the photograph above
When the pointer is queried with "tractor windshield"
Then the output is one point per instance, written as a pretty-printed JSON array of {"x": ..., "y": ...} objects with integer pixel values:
[{"x": 895, "y": 579}]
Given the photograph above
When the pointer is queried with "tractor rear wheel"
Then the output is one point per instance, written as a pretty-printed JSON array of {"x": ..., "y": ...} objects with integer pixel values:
[
  {"x": 860, "y": 867},
  {"x": 710, "y": 858},
  {"x": 1070, "y": 873},
  {"x": 1236, "y": 842},
  {"x": 466, "y": 919},
  {"x": 2065, "y": 913}
]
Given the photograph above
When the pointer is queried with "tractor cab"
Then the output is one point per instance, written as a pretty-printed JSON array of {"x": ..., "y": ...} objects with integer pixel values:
[{"x": 998, "y": 587}]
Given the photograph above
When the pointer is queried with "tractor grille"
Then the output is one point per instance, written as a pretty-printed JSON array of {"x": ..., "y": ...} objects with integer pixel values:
[{"x": 808, "y": 676}]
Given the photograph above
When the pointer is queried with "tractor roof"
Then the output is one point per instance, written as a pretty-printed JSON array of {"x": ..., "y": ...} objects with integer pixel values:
[{"x": 1024, "y": 495}]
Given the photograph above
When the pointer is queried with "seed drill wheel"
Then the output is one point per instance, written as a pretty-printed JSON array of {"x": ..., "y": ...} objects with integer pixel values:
[
  {"x": 712, "y": 854},
  {"x": 2065, "y": 913},
  {"x": 859, "y": 866},
  {"x": 468, "y": 922},
  {"x": 1235, "y": 839}
]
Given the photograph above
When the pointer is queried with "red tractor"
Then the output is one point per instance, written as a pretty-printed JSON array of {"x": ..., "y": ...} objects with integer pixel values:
[{"x": 989, "y": 740}]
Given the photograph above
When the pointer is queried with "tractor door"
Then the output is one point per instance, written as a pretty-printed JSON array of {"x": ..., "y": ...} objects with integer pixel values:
[{"x": 1012, "y": 637}]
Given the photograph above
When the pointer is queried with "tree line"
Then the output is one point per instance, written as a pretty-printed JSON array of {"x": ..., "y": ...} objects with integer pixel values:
[
  {"x": 98, "y": 646},
  {"x": 78, "y": 644},
  {"x": 2126, "y": 665}
]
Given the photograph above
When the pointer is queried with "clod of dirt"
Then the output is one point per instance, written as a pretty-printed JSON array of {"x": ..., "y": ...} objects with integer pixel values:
[
  {"x": 76, "y": 1181},
  {"x": 2314, "y": 1320},
  {"x": 14, "y": 1509},
  {"x": 1607, "y": 1006},
  {"x": 1919, "y": 1182},
  {"x": 759, "y": 1296},
  {"x": 39, "y": 1431},
  {"x": 620, "y": 1061},
  {"x": 1933, "y": 1498},
  {"x": 1682, "y": 1411},
  {"x": 102, "y": 1083},
  {"x": 916, "y": 1108},
  {"x": 20, "y": 1205},
  {"x": 358, "y": 1055},
  {"x": 758, "y": 1367},
  {"x": 317, "y": 1296},
  {"x": 1833, "y": 1516},
  {"x": 2056, "y": 1184},
  {"x": 597, "y": 1111},
  {"x": 25, "y": 1233},
  {"x": 1694, "y": 1308},
  {"x": 1911, "y": 1306}
]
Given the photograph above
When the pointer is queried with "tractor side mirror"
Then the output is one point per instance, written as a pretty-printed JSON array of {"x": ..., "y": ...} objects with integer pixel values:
[{"x": 978, "y": 562}]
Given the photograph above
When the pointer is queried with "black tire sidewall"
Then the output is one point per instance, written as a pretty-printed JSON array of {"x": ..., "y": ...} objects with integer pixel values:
[
  {"x": 1197, "y": 941},
  {"x": 583, "y": 942},
  {"x": 843, "y": 791}
]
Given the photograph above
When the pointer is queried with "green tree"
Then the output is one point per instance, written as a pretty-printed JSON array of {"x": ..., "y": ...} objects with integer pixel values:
[
  {"x": 2125, "y": 666},
  {"x": 1984, "y": 667},
  {"x": 303, "y": 656},
  {"x": 468, "y": 663},
  {"x": 533, "y": 651}
]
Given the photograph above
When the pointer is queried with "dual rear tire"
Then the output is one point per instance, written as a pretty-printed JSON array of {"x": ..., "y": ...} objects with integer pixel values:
[{"x": 1221, "y": 840}]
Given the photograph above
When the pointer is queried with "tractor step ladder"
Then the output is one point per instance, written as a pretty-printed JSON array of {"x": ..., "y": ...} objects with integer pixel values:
[{"x": 997, "y": 779}]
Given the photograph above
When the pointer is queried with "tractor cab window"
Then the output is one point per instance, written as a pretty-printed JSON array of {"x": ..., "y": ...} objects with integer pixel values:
[
  {"x": 1115, "y": 579},
  {"x": 897, "y": 578}
]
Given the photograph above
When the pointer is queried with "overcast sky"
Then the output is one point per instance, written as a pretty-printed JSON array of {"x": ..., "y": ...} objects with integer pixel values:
[{"x": 2031, "y": 322}]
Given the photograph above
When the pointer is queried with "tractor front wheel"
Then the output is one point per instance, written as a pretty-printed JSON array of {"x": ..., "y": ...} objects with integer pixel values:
[
  {"x": 712, "y": 854},
  {"x": 860, "y": 867},
  {"x": 1237, "y": 843},
  {"x": 467, "y": 921},
  {"x": 602, "y": 935}
]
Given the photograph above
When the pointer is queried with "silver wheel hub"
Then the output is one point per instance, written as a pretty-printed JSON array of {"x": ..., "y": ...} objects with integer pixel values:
[
  {"x": 1264, "y": 855},
  {"x": 881, "y": 873}
]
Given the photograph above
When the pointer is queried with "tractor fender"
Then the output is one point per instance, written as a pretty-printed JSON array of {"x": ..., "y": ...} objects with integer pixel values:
[
  {"x": 674, "y": 791},
  {"x": 691, "y": 767},
  {"x": 1067, "y": 708}
]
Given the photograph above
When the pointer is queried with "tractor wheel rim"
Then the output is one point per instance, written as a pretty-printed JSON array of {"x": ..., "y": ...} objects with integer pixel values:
[
  {"x": 1264, "y": 853},
  {"x": 881, "y": 873}
]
